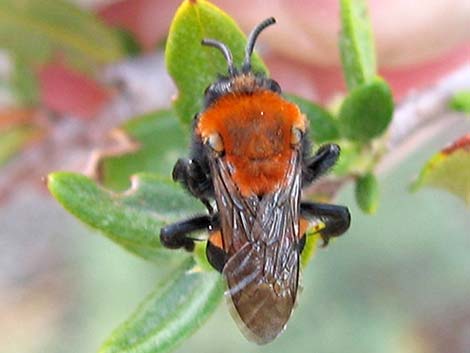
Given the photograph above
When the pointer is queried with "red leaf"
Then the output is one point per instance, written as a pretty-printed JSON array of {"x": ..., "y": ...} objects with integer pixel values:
[
  {"x": 462, "y": 143},
  {"x": 66, "y": 91}
]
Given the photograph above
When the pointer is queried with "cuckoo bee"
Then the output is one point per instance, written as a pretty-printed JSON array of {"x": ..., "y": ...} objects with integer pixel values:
[{"x": 250, "y": 158}]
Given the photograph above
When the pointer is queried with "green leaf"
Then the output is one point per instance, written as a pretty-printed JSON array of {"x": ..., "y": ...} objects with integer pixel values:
[
  {"x": 461, "y": 102},
  {"x": 356, "y": 43},
  {"x": 367, "y": 193},
  {"x": 33, "y": 30},
  {"x": 199, "y": 255},
  {"x": 193, "y": 66},
  {"x": 13, "y": 139},
  {"x": 367, "y": 111},
  {"x": 349, "y": 158},
  {"x": 448, "y": 170},
  {"x": 132, "y": 218},
  {"x": 161, "y": 142},
  {"x": 169, "y": 315},
  {"x": 323, "y": 126},
  {"x": 310, "y": 248}
]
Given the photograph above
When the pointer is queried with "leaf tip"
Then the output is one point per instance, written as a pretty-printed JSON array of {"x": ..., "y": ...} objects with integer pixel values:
[
  {"x": 58, "y": 182},
  {"x": 462, "y": 143},
  {"x": 51, "y": 180},
  {"x": 449, "y": 170}
]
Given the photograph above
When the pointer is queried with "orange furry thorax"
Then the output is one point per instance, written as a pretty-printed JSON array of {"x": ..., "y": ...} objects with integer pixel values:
[{"x": 256, "y": 130}]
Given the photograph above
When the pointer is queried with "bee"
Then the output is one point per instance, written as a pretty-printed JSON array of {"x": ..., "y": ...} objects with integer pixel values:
[{"x": 251, "y": 154}]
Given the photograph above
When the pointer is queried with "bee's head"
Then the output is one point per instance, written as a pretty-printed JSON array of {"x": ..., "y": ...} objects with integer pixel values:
[
  {"x": 249, "y": 124},
  {"x": 241, "y": 80}
]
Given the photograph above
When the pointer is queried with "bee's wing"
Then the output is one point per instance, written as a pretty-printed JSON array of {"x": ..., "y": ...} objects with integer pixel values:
[{"x": 261, "y": 239}]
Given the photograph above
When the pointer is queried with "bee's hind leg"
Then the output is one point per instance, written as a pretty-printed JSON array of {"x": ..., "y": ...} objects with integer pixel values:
[
  {"x": 176, "y": 235},
  {"x": 331, "y": 220},
  {"x": 215, "y": 253}
]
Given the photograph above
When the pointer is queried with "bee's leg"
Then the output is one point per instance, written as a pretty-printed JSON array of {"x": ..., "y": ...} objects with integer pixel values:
[
  {"x": 329, "y": 220},
  {"x": 304, "y": 224},
  {"x": 302, "y": 243},
  {"x": 313, "y": 167},
  {"x": 192, "y": 176},
  {"x": 176, "y": 235},
  {"x": 215, "y": 253}
]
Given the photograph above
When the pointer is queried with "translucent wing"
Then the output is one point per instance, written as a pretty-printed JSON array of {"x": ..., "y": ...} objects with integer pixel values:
[{"x": 261, "y": 239}]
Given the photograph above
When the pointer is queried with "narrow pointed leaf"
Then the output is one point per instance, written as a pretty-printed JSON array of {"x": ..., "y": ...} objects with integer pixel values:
[
  {"x": 169, "y": 315},
  {"x": 323, "y": 126},
  {"x": 356, "y": 43},
  {"x": 132, "y": 218},
  {"x": 449, "y": 170},
  {"x": 160, "y": 142},
  {"x": 193, "y": 66},
  {"x": 367, "y": 111}
]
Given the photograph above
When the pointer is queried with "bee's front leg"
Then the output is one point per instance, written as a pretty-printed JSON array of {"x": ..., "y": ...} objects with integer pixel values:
[
  {"x": 190, "y": 174},
  {"x": 317, "y": 165},
  {"x": 332, "y": 220},
  {"x": 176, "y": 235}
]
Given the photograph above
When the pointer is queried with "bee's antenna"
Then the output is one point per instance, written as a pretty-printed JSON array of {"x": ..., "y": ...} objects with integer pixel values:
[
  {"x": 250, "y": 45},
  {"x": 225, "y": 51}
]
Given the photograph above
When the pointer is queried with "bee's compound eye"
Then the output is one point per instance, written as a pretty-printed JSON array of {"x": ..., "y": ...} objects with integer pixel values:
[
  {"x": 296, "y": 135},
  {"x": 215, "y": 142}
]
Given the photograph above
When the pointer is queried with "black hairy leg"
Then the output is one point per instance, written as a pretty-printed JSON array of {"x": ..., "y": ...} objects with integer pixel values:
[
  {"x": 336, "y": 219},
  {"x": 317, "y": 165},
  {"x": 190, "y": 174},
  {"x": 176, "y": 235}
]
